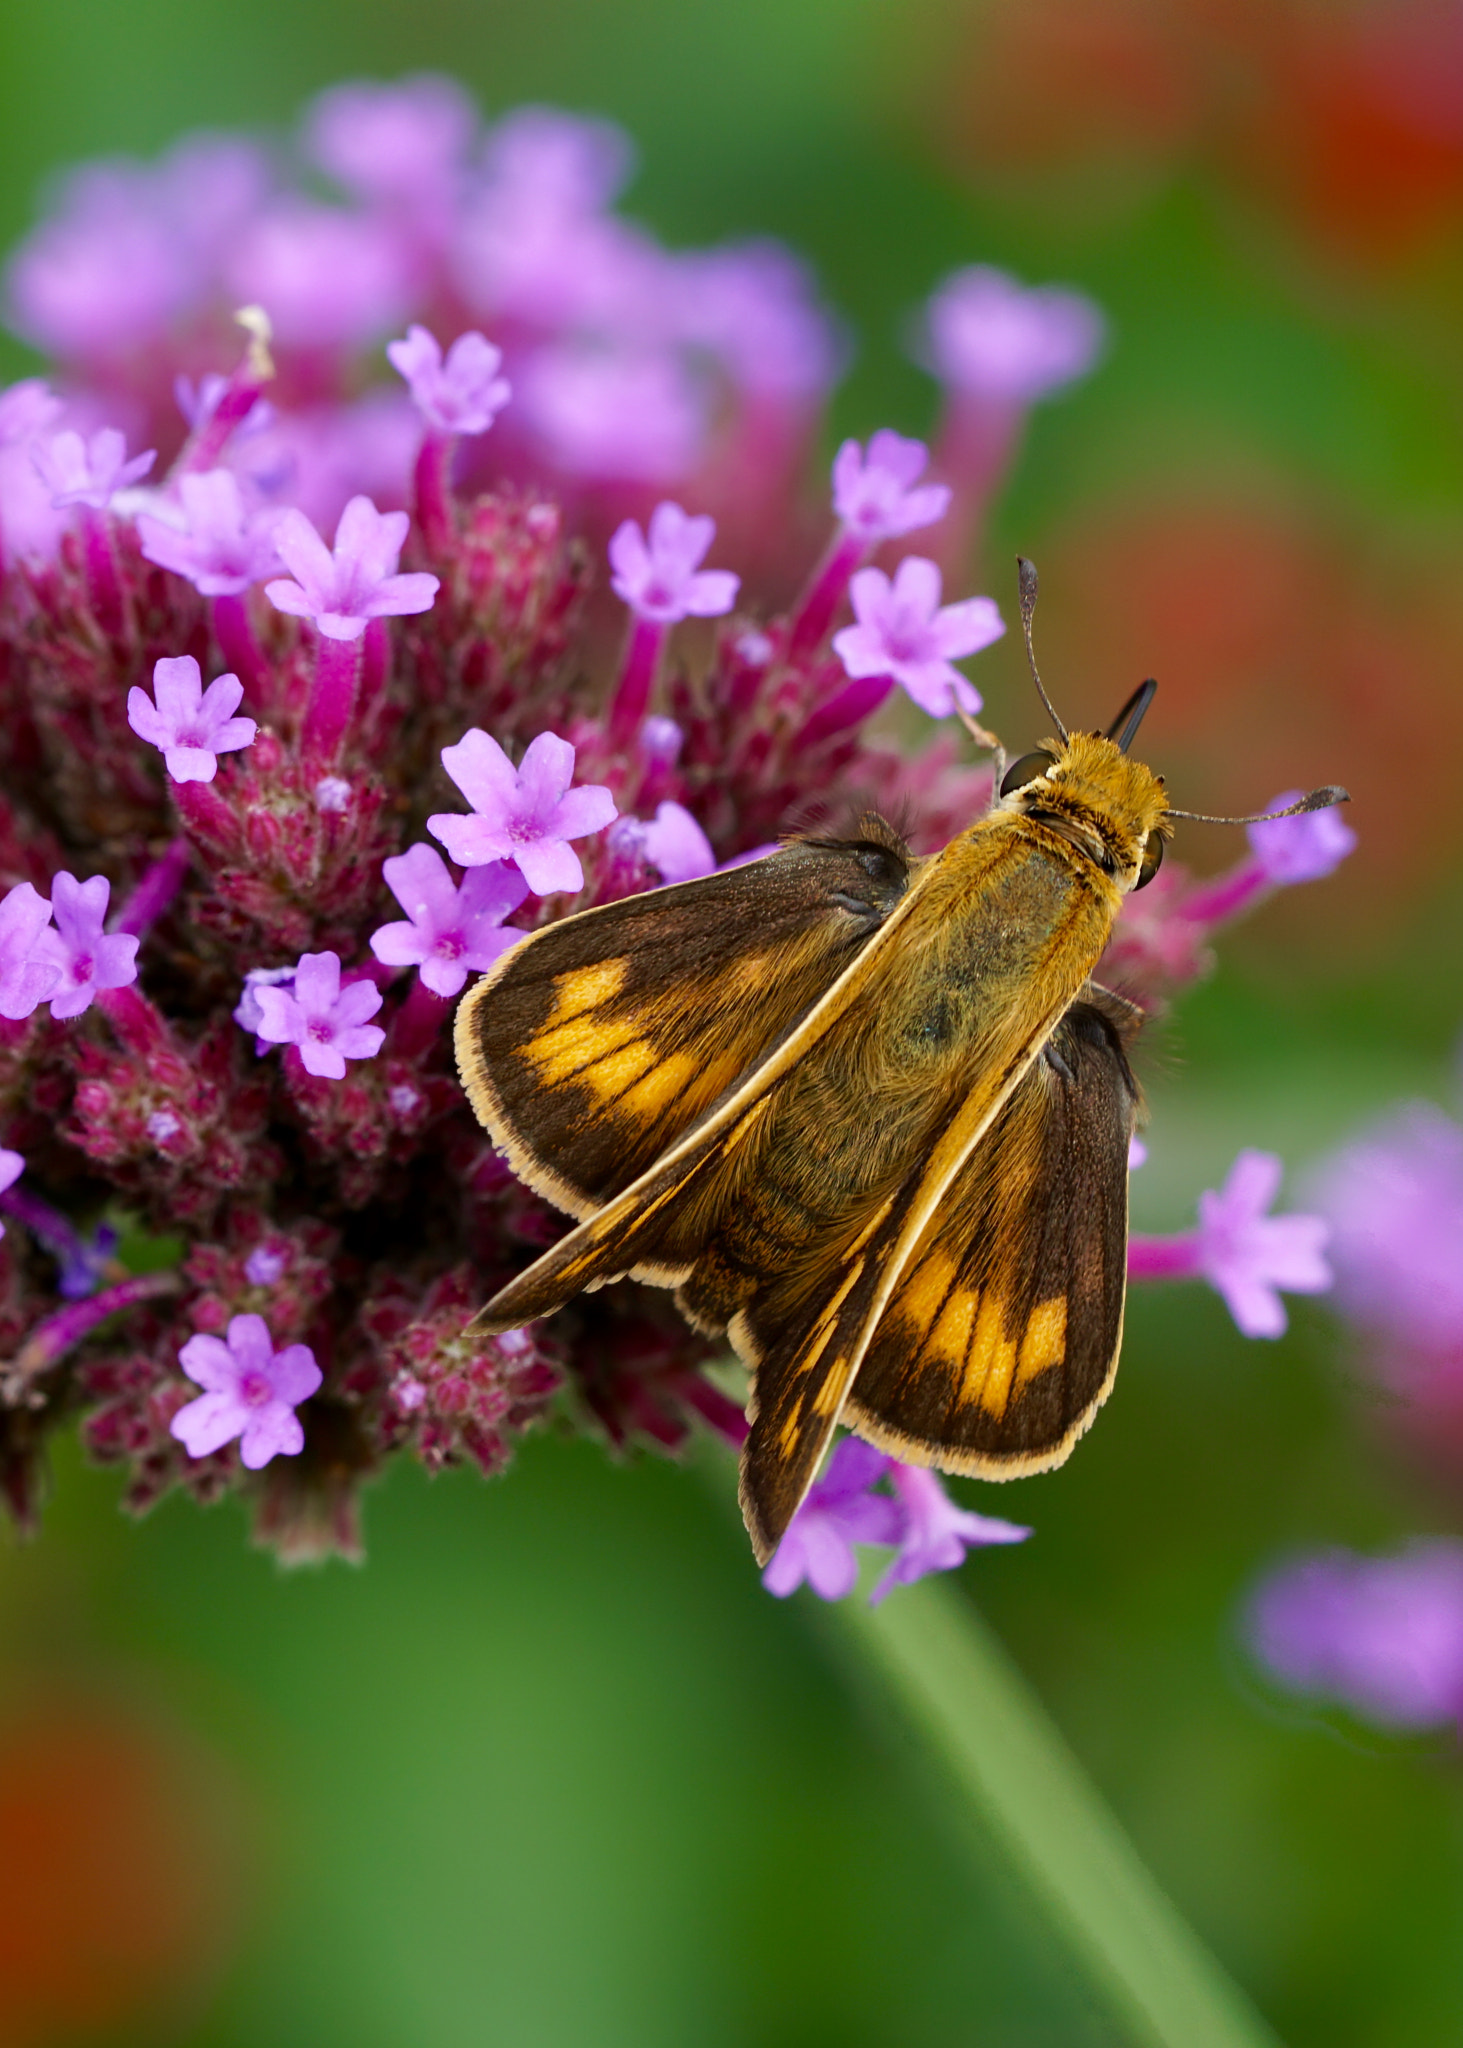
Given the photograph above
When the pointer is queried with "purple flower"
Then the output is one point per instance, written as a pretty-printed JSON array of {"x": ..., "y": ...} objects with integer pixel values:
[
  {"x": 662, "y": 578},
  {"x": 251, "y": 1392},
  {"x": 86, "y": 959},
  {"x": 1303, "y": 848},
  {"x": 26, "y": 410},
  {"x": 1380, "y": 1635},
  {"x": 246, "y": 1012},
  {"x": 672, "y": 842},
  {"x": 525, "y": 815},
  {"x": 12, "y": 1166},
  {"x": 358, "y": 582},
  {"x": 451, "y": 931},
  {"x": 1247, "y": 1256},
  {"x": 265, "y": 1265},
  {"x": 27, "y": 976},
  {"x": 401, "y": 142},
  {"x": 88, "y": 472},
  {"x": 329, "y": 279},
  {"x": 996, "y": 338},
  {"x": 840, "y": 1510},
  {"x": 903, "y": 631},
  {"x": 874, "y": 494},
  {"x": 191, "y": 725},
  {"x": 461, "y": 396},
  {"x": 211, "y": 538},
  {"x": 327, "y": 1022},
  {"x": 754, "y": 306},
  {"x": 936, "y": 1533},
  {"x": 620, "y": 413}
]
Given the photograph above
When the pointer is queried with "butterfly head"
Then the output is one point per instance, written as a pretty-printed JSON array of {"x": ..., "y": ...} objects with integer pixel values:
[{"x": 1086, "y": 787}]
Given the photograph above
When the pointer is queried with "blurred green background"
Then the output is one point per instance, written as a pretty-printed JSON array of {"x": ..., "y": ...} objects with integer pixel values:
[{"x": 551, "y": 1769}]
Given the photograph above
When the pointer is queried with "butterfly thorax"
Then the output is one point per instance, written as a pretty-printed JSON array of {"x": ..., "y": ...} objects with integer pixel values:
[{"x": 1094, "y": 796}]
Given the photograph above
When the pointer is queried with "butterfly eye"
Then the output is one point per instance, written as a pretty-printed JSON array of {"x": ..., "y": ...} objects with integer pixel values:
[
  {"x": 1026, "y": 770},
  {"x": 1152, "y": 861}
]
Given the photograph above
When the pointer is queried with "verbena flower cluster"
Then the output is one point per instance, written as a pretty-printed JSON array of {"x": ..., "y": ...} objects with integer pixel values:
[{"x": 375, "y": 655}]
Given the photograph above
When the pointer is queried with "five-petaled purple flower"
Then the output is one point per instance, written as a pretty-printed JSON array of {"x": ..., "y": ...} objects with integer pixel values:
[
  {"x": 1248, "y": 1256},
  {"x": 191, "y": 725},
  {"x": 875, "y": 494},
  {"x": 451, "y": 930},
  {"x": 1305, "y": 848},
  {"x": 210, "y": 536},
  {"x": 343, "y": 590},
  {"x": 27, "y": 976},
  {"x": 1380, "y": 1635},
  {"x": 660, "y": 577},
  {"x": 996, "y": 338},
  {"x": 936, "y": 1531},
  {"x": 251, "y": 1391},
  {"x": 12, "y": 1166},
  {"x": 839, "y": 1511},
  {"x": 905, "y": 632},
  {"x": 327, "y": 1022},
  {"x": 88, "y": 472},
  {"x": 462, "y": 395},
  {"x": 87, "y": 959},
  {"x": 525, "y": 815}
]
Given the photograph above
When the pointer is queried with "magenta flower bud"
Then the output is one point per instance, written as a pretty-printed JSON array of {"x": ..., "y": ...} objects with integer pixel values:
[
  {"x": 12, "y": 1166},
  {"x": 326, "y": 1022},
  {"x": 525, "y": 815},
  {"x": 936, "y": 1533},
  {"x": 462, "y": 395},
  {"x": 209, "y": 536},
  {"x": 661, "y": 577},
  {"x": 1305, "y": 848},
  {"x": 88, "y": 472},
  {"x": 905, "y": 632},
  {"x": 28, "y": 975},
  {"x": 342, "y": 589},
  {"x": 192, "y": 726},
  {"x": 451, "y": 931},
  {"x": 251, "y": 1391},
  {"x": 875, "y": 494},
  {"x": 998, "y": 339},
  {"x": 87, "y": 959}
]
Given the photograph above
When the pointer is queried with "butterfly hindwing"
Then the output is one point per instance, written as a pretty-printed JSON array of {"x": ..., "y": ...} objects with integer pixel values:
[
  {"x": 1001, "y": 1340},
  {"x": 593, "y": 1046}
]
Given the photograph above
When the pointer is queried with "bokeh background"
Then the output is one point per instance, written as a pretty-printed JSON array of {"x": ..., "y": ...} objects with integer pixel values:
[{"x": 551, "y": 1768}]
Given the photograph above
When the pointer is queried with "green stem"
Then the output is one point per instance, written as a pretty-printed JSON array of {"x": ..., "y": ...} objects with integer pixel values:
[{"x": 1027, "y": 1790}]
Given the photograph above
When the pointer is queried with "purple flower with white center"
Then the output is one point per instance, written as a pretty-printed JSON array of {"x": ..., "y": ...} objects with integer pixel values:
[
  {"x": 462, "y": 395},
  {"x": 998, "y": 339},
  {"x": 12, "y": 1166},
  {"x": 251, "y": 1391},
  {"x": 27, "y": 976},
  {"x": 88, "y": 472},
  {"x": 936, "y": 1532},
  {"x": 451, "y": 930},
  {"x": 671, "y": 842},
  {"x": 1382, "y": 1636},
  {"x": 525, "y": 815},
  {"x": 1301, "y": 849},
  {"x": 344, "y": 589},
  {"x": 1247, "y": 1256},
  {"x": 210, "y": 536},
  {"x": 327, "y": 1022},
  {"x": 192, "y": 726},
  {"x": 661, "y": 577},
  {"x": 905, "y": 632},
  {"x": 876, "y": 495},
  {"x": 87, "y": 959},
  {"x": 840, "y": 1510}
]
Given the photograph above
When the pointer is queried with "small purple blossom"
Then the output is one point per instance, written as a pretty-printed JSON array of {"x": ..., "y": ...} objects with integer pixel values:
[
  {"x": 839, "y": 1511},
  {"x": 451, "y": 930},
  {"x": 661, "y": 577},
  {"x": 332, "y": 795},
  {"x": 12, "y": 1166},
  {"x": 210, "y": 536},
  {"x": 27, "y": 975},
  {"x": 936, "y": 1532},
  {"x": 903, "y": 631},
  {"x": 620, "y": 413},
  {"x": 1248, "y": 1256},
  {"x": 87, "y": 959},
  {"x": 406, "y": 141},
  {"x": 671, "y": 842},
  {"x": 163, "y": 1126},
  {"x": 251, "y": 1391},
  {"x": 1304, "y": 848},
  {"x": 1382, "y": 1636},
  {"x": 265, "y": 1265},
  {"x": 327, "y": 1022},
  {"x": 246, "y": 1012},
  {"x": 875, "y": 494},
  {"x": 462, "y": 395},
  {"x": 996, "y": 338},
  {"x": 344, "y": 589},
  {"x": 329, "y": 278},
  {"x": 192, "y": 726},
  {"x": 525, "y": 815},
  {"x": 88, "y": 472}
]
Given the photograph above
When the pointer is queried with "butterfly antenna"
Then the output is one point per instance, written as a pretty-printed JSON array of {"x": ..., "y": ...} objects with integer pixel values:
[
  {"x": 1318, "y": 800},
  {"x": 1026, "y": 582},
  {"x": 1124, "y": 728}
]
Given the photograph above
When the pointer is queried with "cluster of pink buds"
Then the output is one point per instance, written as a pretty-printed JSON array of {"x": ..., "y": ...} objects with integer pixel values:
[{"x": 379, "y": 662}]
